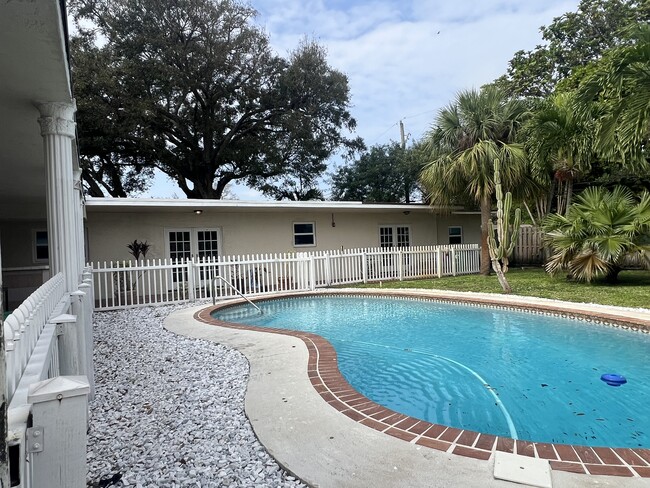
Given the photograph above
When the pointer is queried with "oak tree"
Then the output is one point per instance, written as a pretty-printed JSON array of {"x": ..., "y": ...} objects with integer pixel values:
[{"x": 193, "y": 88}]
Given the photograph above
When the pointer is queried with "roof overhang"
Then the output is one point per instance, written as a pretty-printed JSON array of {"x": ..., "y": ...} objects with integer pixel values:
[
  {"x": 34, "y": 67},
  {"x": 138, "y": 205}
]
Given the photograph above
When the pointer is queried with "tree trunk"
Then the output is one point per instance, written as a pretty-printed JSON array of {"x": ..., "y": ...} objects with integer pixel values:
[
  {"x": 549, "y": 199},
  {"x": 569, "y": 195},
  {"x": 501, "y": 276},
  {"x": 486, "y": 214}
]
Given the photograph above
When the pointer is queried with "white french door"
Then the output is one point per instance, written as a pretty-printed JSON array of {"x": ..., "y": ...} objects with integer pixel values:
[{"x": 190, "y": 243}]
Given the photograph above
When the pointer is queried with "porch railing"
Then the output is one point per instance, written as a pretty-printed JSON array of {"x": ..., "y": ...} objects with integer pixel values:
[
  {"x": 49, "y": 375},
  {"x": 137, "y": 283}
]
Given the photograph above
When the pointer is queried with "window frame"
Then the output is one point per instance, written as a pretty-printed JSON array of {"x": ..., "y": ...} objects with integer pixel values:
[
  {"x": 35, "y": 246},
  {"x": 395, "y": 235},
  {"x": 450, "y": 235},
  {"x": 312, "y": 233}
]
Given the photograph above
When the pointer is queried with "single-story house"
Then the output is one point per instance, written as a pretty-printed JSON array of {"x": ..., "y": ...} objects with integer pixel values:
[{"x": 188, "y": 228}]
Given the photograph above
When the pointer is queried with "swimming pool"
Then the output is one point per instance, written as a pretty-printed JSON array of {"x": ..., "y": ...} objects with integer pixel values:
[{"x": 502, "y": 372}]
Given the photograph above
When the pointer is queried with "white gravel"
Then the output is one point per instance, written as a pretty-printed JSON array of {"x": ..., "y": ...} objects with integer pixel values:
[{"x": 169, "y": 411}]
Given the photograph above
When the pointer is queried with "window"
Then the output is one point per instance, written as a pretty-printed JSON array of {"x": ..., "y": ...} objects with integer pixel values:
[
  {"x": 394, "y": 236},
  {"x": 455, "y": 235},
  {"x": 304, "y": 234},
  {"x": 41, "y": 250}
]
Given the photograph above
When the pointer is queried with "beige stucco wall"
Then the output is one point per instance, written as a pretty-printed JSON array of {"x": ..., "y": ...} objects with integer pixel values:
[
  {"x": 263, "y": 232},
  {"x": 21, "y": 274},
  {"x": 17, "y": 244},
  {"x": 471, "y": 225}
]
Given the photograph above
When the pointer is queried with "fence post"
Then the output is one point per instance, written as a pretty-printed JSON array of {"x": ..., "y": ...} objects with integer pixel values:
[
  {"x": 400, "y": 264},
  {"x": 83, "y": 310},
  {"x": 453, "y": 261},
  {"x": 191, "y": 292},
  {"x": 312, "y": 273},
  {"x": 364, "y": 266},
  {"x": 57, "y": 441},
  {"x": 328, "y": 271},
  {"x": 439, "y": 262},
  {"x": 68, "y": 342}
]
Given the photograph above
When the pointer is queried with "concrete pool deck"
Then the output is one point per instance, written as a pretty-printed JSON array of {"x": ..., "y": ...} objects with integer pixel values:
[{"x": 326, "y": 448}]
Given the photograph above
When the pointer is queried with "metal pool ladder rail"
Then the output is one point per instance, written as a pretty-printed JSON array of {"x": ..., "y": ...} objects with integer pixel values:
[{"x": 214, "y": 298}]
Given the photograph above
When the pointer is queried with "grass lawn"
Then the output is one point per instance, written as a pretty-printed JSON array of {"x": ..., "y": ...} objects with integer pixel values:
[{"x": 632, "y": 290}]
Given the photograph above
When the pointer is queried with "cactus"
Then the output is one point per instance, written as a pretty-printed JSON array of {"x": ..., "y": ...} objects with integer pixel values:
[{"x": 506, "y": 233}]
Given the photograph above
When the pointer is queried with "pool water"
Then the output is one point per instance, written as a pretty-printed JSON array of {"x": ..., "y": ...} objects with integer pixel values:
[{"x": 507, "y": 373}]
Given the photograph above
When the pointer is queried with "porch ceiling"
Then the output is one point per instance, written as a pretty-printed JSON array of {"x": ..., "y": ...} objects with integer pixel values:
[{"x": 34, "y": 68}]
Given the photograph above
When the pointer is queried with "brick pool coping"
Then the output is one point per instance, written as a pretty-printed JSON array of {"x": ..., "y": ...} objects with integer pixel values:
[{"x": 328, "y": 381}]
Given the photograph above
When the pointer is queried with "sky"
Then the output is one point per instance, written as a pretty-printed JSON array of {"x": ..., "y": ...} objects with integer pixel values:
[{"x": 405, "y": 59}]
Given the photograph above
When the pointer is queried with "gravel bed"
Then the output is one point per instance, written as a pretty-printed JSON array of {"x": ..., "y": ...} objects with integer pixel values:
[{"x": 169, "y": 411}]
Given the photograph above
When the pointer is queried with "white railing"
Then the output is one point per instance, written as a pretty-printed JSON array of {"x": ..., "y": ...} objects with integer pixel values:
[
  {"x": 137, "y": 283},
  {"x": 23, "y": 329},
  {"x": 48, "y": 335}
]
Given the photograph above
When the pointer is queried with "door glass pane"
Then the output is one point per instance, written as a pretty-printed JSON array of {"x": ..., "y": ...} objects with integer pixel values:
[
  {"x": 179, "y": 245},
  {"x": 208, "y": 243},
  {"x": 403, "y": 237},
  {"x": 386, "y": 237},
  {"x": 179, "y": 248}
]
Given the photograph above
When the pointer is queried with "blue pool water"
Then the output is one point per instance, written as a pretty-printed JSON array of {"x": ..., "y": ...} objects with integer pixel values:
[{"x": 515, "y": 374}]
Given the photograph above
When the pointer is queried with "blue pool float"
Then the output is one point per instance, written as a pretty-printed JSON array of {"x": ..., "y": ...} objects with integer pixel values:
[{"x": 613, "y": 379}]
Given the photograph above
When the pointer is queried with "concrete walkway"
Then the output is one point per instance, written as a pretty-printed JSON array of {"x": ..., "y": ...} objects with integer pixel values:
[{"x": 327, "y": 449}]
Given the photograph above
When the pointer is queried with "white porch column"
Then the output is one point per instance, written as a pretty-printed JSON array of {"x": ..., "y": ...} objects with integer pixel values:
[
  {"x": 58, "y": 131},
  {"x": 79, "y": 221}
]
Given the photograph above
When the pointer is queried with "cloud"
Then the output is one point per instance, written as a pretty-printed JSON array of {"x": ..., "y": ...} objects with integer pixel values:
[{"x": 407, "y": 59}]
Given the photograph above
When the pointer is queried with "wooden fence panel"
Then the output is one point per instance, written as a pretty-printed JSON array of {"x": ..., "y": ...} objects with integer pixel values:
[{"x": 529, "y": 248}]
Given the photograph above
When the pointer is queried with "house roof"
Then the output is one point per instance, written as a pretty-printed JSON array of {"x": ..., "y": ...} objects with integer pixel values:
[{"x": 126, "y": 205}]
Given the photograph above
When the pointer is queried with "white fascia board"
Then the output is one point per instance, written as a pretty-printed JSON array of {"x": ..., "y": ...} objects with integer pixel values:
[{"x": 133, "y": 204}]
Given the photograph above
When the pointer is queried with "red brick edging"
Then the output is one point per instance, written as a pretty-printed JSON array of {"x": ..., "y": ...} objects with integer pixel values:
[{"x": 327, "y": 380}]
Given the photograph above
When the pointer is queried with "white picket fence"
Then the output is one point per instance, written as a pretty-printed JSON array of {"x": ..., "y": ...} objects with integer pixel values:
[
  {"x": 137, "y": 283},
  {"x": 48, "y": 355}
]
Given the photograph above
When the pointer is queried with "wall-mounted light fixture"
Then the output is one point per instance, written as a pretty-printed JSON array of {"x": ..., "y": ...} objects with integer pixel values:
[
  {"x": 333, "y": 223},
  {"x": 198, "y": 211},
  {"x": 406, "y": 212}
]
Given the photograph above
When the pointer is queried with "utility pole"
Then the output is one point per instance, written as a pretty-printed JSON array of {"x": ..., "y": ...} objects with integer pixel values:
[{"x": 407, "y": 189}]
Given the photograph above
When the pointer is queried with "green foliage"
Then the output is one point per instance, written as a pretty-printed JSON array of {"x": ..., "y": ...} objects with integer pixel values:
[
  {"x": 572, "y": 40},
  {"x": 384, "y": 173},
  {"x": 620, "y": 83},
  {"x": 559, "y": 139},
  {"x": 112, "y": 161},
  {"x": 468, "y": 135},
  {"x": 631, "y": 289},
  {"x": 601, "y": 229},
  {"x": 193, "y": 88},
  {"x": 138, "y": 248},
  {"x": 475, "y": 130}
]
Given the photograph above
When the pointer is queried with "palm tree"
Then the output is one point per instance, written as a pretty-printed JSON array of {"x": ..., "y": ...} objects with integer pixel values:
[
  {"x": 622, "y": 86},
  {"x": 559, "y": 141},
  {"x": 600, "y": 230},
  {"x": 476, "y": 129}
]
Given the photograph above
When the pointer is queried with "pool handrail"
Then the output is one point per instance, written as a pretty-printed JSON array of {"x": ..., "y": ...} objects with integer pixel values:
[{"x": 235, "y": 289}]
